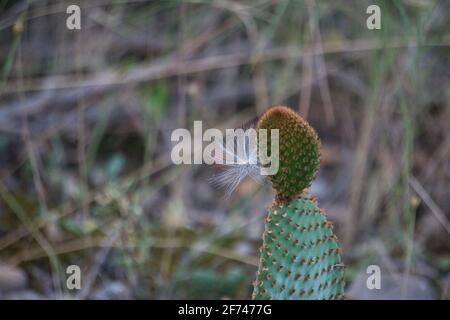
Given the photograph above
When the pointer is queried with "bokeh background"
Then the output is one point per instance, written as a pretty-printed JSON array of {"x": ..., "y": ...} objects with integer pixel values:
[{"x": 86, "y": 117}]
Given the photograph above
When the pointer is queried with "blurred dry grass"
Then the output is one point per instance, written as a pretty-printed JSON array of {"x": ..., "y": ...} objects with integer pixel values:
[{"x": 86, "y": 118}]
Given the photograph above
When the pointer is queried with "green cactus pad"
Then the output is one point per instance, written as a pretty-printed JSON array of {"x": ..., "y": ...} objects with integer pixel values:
[
  {"x": 300, "y": 258},
  {"x": 299, "y": 151}
]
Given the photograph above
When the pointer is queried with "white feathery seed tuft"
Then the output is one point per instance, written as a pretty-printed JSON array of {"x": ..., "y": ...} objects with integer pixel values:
[{"x": 246, "y": 164}]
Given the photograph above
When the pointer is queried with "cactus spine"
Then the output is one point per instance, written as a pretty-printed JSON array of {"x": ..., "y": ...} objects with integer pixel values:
[{"x": 300, "y": 258}]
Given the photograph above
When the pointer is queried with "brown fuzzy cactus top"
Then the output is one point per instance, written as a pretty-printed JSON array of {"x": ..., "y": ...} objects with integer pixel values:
[{"x": 299, "y": 151}]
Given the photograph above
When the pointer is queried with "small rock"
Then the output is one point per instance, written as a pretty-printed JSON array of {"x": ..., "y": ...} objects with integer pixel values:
[
  {"x": 445, "y": 284},
  {"x": 114, "y": 290},
  {"x": 24, "y": 295},
  {"x": 11, "y": 278},
  {"x": 415, "y": 288}
]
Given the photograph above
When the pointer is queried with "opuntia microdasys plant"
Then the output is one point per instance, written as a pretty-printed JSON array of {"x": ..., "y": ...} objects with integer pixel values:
[{"x": 299, "y": 256}]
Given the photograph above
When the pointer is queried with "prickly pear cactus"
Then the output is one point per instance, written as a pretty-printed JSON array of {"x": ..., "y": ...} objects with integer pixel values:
[{"x": 300, "y": 258}]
